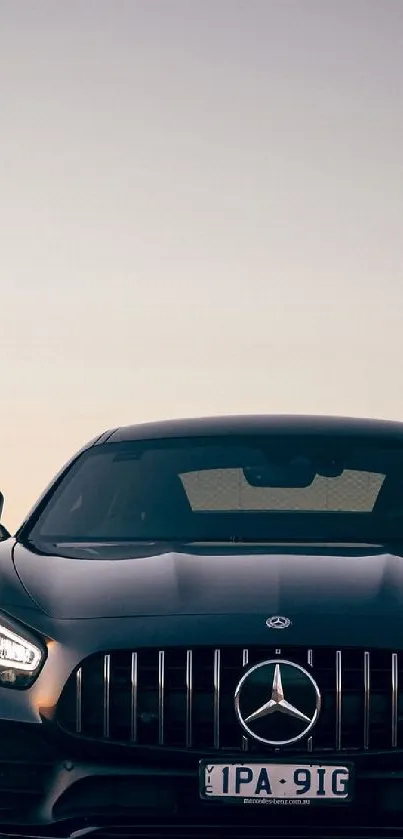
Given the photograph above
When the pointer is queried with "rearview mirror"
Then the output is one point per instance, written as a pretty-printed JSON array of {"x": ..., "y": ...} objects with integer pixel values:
[
  {"x": 291, "y": 476},
  {"x": 4, "y": 534}
]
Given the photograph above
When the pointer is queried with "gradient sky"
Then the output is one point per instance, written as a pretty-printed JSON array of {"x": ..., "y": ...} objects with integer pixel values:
[{"x": 201, "y": 212}]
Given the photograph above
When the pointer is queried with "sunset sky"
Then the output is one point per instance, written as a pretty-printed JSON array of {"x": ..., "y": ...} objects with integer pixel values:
[{"x": 201, "y": 212}]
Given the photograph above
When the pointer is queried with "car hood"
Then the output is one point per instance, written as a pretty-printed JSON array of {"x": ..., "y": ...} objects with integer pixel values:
[{"x": 217, "y": 581}]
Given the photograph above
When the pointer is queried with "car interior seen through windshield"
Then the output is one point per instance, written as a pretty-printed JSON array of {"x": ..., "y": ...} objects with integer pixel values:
[{"x": 205, "y": 489}]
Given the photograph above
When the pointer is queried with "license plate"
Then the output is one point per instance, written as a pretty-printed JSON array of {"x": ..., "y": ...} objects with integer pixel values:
[{"x": 276, "y": 783}]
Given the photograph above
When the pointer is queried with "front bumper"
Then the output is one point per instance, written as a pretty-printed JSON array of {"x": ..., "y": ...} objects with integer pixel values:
[{"x": 52, "y": 786}]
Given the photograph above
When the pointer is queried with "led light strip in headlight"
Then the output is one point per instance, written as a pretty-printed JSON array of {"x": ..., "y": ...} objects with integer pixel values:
[{"x": 18, "y": 653}]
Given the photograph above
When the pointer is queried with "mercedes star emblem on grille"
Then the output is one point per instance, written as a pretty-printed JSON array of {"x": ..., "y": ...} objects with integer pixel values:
[
  {"x": 278, "y": 622},
  {"x": 277, "y": 702}
]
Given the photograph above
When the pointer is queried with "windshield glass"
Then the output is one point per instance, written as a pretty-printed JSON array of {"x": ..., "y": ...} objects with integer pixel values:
[{"x": 274, "y": 488}]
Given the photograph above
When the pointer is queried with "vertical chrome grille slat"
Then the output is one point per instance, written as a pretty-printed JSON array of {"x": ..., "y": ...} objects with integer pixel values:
[
  {"x": 161, "y": 696},
  {"x": 133, "y": 697},
  {"x": 107, "y": 698},
  {"x": 339, "y": 698},
  {"x": 217, "y": 690},
  {"x": 245, "y": 659},
  {"x": 189, "y": 697},
  {"x": 395, "y": 697},
  {"x": 79, "y": 687},
  {"x": 367, "y": 697},
  {"x": 309, "y": 659}
]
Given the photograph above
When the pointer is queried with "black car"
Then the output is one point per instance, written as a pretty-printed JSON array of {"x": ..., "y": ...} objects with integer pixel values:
[{"x": 201, "y": 633}]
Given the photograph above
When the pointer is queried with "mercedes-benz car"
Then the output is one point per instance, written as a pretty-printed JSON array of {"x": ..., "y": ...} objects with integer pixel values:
[{"x": 201, "y": 633}]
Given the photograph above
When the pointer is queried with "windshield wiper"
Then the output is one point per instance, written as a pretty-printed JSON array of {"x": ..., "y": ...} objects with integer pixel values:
[{"x": 45, "y": 544}]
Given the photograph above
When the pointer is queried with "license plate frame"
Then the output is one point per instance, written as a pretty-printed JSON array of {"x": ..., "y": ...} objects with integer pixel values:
[{"x": 282, "y": 801}]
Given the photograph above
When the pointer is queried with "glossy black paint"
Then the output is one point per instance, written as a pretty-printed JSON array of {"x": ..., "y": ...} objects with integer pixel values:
[
  {"x": 180, "y": 594},
  {"x": 365, "y": 587},
  {"x": 248, "y": 424}
]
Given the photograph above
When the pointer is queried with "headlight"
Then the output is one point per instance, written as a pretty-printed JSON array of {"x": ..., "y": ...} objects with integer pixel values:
[{"x": 20, "y": 658}]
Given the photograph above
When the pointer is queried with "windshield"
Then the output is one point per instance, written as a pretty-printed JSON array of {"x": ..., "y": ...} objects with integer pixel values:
[{"x": 292, "y": 488}]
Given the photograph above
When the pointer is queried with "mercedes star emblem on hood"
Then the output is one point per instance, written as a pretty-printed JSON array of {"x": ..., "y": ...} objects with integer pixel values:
[{"x": 278, "y": 622}]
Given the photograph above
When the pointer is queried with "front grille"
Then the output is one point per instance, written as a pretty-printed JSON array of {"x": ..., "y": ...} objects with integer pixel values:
[{"x": 184, "y": 698}]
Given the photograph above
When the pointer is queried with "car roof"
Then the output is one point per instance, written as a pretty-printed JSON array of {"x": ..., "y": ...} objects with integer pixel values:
[{"x": 254, "y": 424}]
